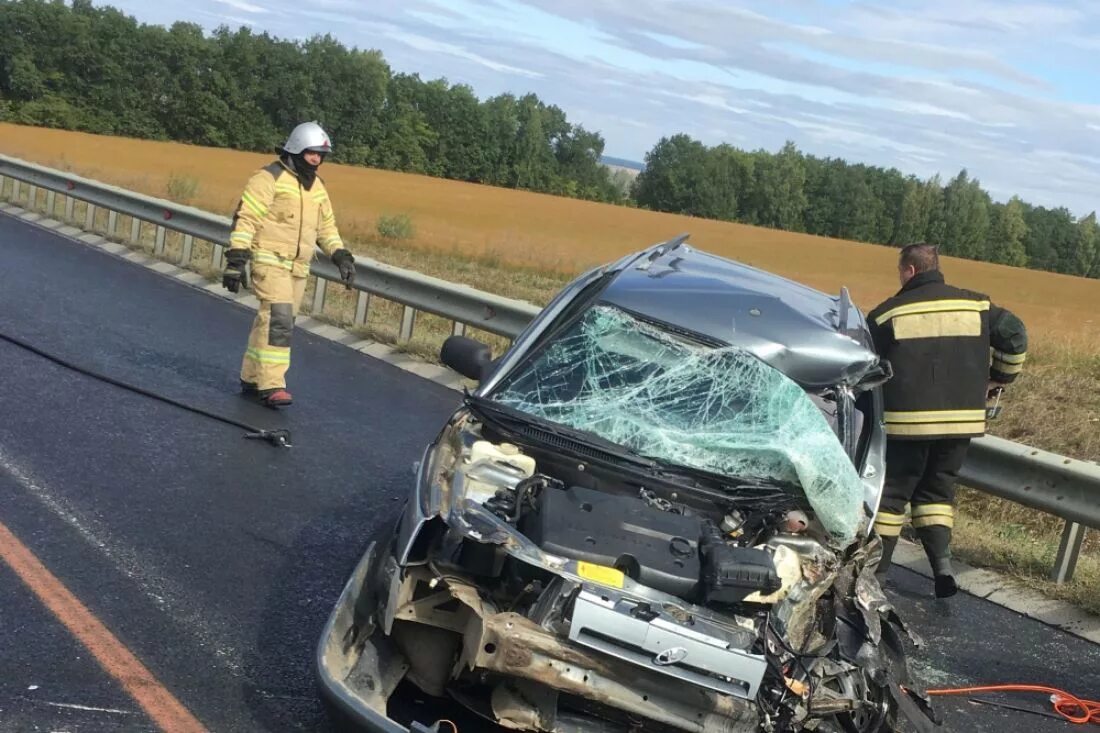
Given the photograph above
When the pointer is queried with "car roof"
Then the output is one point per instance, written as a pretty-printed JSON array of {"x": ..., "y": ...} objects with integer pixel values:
[{"x": 794, "y": 328}]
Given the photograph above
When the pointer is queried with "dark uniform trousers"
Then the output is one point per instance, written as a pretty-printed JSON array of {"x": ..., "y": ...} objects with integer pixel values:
[{"x": 921, "y": 474}]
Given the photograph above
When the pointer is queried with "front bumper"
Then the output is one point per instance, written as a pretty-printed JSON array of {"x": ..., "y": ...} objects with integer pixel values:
[
  {"x": 347, "y": 656},
  {"x": 359, "y": 667}
]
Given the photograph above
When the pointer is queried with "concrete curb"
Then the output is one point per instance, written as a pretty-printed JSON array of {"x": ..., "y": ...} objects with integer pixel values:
[
  {"x": 984, "y": 584},
  {"x": 1002, "y": 591}
]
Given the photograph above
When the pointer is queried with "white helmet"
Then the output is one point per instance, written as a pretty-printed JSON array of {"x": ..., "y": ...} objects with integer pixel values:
[{"x": 307, "y": 136}]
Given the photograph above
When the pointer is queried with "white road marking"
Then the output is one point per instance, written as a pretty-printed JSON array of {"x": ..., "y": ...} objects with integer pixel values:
[
  {"x": 201, "y": 623},
  {"x": 90, "y": 708}
]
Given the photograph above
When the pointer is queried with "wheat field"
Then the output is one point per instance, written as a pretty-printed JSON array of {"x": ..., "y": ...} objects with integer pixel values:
[
  {"x": 527, "y": 245},
  {"x": 537, "y": 232}
]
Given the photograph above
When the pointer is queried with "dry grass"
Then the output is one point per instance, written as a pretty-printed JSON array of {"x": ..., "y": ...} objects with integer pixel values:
[
  {"x": 546, "y": 233},
  {"x": 526, "y": 246}
]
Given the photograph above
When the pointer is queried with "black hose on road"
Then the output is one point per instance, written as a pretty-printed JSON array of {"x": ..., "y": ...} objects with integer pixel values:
[{"x": 279, "y": 438}]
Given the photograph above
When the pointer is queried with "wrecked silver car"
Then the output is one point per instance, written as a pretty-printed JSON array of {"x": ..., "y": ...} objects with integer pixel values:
[{"x": 652, "y": 515}]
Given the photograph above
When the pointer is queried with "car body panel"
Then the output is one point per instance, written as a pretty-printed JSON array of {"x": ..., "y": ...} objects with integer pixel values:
[{"x": 819, "y": 341}]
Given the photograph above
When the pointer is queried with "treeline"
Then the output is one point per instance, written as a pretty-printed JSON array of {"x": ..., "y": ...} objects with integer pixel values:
[
  {"x": 95, "y": 69},
  {"x": 831, "y": 197}
]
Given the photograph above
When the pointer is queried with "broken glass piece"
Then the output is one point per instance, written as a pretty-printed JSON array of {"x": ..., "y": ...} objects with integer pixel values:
[{"x": 673, "y": 399}]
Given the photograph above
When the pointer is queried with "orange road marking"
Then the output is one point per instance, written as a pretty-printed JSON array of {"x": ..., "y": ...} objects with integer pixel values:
[{"x": 159, "y": 704}]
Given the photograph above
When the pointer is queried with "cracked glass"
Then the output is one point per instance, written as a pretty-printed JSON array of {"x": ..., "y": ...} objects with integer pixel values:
[{"x": 675, "y": 400}]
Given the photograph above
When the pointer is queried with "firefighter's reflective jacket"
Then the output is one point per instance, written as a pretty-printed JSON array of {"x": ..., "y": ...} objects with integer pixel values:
[
  {"x": 945, "y": 344},
  {"x": 280, "y": 220}
]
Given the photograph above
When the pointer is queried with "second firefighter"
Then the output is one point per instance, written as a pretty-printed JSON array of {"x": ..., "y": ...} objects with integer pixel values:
[{"x": 949, "y": 348}]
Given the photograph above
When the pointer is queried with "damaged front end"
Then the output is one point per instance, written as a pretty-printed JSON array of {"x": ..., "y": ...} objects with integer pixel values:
[{"x": 633, "y": 532}]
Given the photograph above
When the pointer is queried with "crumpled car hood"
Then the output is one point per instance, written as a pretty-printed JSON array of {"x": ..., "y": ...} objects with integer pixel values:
[{"x": 816, "y": 339}]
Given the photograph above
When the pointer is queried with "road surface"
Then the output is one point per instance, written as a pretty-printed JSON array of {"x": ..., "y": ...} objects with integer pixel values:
[{"x": 214, "y": 560}]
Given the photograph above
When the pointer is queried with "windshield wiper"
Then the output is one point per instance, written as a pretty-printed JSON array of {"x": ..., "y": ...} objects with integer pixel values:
[
  {"x": 518, "y": 421},
  {"x": 730, "y": 485}
]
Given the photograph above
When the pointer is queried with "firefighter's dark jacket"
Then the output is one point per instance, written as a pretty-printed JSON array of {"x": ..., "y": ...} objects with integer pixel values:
[{"x": 945, "y": 344}]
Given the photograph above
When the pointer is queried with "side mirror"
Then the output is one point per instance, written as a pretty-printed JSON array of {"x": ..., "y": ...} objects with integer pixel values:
[
  {"x": 470, "y": 358},
  {"x": 882, "y": 373}
]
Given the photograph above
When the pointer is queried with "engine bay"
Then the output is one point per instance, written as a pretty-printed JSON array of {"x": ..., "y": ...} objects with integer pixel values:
[
  {"x": 721, "y": 550},
  {"x": 693, "y": 602}
]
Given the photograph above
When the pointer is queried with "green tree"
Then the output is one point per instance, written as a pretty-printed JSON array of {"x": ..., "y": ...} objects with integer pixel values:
[
  {"x": 674, "y": 170},
  {"x": 534, "y": 161},
  {"x": 1086, "y": 260},
  {"x": 1007, "y": 234},
  {"x": 779, "y": 192},
  {"x": 914, "y": 213},
  {"x": 966, "y": 217}
]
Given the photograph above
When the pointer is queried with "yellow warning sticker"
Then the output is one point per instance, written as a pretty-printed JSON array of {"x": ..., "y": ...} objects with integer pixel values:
[{"x": 600, "y": 574}]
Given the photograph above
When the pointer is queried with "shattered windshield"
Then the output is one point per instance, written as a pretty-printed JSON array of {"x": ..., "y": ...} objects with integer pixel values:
[{"x": 675, "y": 400}]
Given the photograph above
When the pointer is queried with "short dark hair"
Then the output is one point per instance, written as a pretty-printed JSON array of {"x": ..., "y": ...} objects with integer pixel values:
[{"x": 922, "y": 256}]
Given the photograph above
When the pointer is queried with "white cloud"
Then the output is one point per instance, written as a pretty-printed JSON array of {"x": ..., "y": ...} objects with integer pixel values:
[
  {"x": 244, "y": 7},
  {"x": 429, "y": 45}
]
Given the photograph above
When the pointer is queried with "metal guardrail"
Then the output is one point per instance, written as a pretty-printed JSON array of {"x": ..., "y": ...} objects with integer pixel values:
[
  {"x": 464, "y": 305},
  {"x": 1046, "y": 482}
]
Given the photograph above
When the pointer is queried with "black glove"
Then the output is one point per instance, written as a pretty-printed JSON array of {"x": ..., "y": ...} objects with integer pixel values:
[
  {"x": 345, "y": 263},
  {"x": 235, "y": 273}
]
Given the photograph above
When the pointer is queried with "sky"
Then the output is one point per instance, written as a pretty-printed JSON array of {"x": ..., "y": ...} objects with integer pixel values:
[{"x": 1008, "y": 90}]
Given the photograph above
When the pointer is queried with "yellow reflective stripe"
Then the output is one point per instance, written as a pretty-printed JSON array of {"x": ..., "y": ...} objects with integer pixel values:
[
  {"x": 1006, "y": 363},
  {"x": 935, "y": 325},
  {"x": 916, "y": 416},
  {"x": 887, "y": 530},
  {"x": 888, "y": 518},
  {"x": 1010, "y": 358},
  {"x": 1006, "y": 368},
  {"x": 331, "y": 240},
  {"x": 268, "y": 356},
  {"x": 250, "y": 201},
  {"x": 291, "y": 190},
  {"x": 934, "y": 520},
  {"x": 243, "y": 237},
  {"x": 271, "y": 258},
  {"x": 924, "y": 510},
  {"x": 933, "y": 306},
  {"x": 320, "y": 197},
  {"x": 944, "y": 428},
  {"x": 274, "y": 263}
]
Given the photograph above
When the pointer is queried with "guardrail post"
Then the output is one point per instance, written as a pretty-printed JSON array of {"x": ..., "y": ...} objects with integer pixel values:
[
  {"x": 51, "y": 199},
  {"x": 3, "y": 185},
  {"x": 89, "y": 218},
  {"x": 362, "y": 307},
  {"x": 319, "y": 296},
  {"x": 112, "y": 222},
  {"x": 216, "y": 253},
  {"x": 32, "y": 197},
  {"x": 70, "y": 202},
  {"x": 15, "y": 191},
  {"x": 188, "y": 244},
  {"x": 1068, "y": 552},
  {"x": 458, "y": 329},
  {"x": 158, "y": 245},
  {"x": 135, "y": 230},
  {"x": 408, "y": 320}
]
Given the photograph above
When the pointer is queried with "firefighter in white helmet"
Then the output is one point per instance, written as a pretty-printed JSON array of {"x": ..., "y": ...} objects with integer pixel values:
[{"x": 284, "y": 211}]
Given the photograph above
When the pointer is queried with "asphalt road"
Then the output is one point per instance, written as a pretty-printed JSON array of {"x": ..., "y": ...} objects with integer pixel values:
[{"x": 216, "y": 560}]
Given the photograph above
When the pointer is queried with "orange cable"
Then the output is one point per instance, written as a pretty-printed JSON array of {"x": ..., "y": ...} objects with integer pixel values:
[{"x": 1074, "y": 709}]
